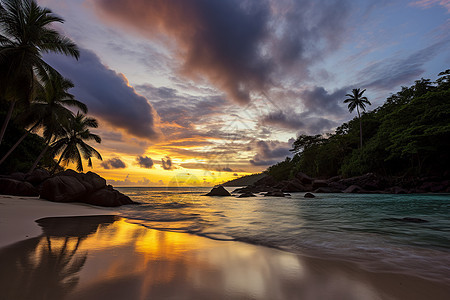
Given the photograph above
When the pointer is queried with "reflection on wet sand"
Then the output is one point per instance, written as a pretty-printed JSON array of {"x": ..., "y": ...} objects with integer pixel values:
[{"x": 105, "y": 257}]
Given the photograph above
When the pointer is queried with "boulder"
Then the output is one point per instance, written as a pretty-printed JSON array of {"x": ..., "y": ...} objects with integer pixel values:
[
  {"x": 37, "y": 176},
  {"x": 108, "y": 197},
  {"x": 218, "y": 191},
  {"x": 328, "y": 189},
  {"x": 95, "y": 180},
  {"x": 309, "y": 195},
  {"x": 305, "y": 179},
  {"x": 275, "y": 194},
  {"x": 293, "y": 186},
  {"x": 397, "y": 190},
  {"x": 9, "y": 186},
  {"x": 62, "y": 189},
  {"x": 18, "y": 176},
  {"x": 319, "y": 183},
  {"x": 247, "y": 194},
  {"x": 353, "y": 189}
]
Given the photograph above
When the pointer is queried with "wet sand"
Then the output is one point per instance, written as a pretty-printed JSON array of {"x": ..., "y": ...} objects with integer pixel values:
[{"x": 107, "y": 257}]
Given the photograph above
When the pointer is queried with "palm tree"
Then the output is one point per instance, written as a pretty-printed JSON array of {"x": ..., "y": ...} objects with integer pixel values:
[
  {"x": 51, "y": 110},
  {"x": 25, "y": 34},
  {"x": 72, "y": 146},
  {"x": 356, "y": 100},
  {"x": 48, "y": 111}
]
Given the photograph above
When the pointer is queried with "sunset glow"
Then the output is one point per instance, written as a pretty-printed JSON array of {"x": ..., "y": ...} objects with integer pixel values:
[{"x": 195, "y": 93}]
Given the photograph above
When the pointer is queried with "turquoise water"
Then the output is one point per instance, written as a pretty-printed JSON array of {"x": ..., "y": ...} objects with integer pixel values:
[{"x": 365, "y": 229}]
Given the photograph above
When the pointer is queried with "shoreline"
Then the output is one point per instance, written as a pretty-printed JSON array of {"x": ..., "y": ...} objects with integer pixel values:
[
  {"x": 120, "y": 258},
  {"x": 18, "y": 215}
]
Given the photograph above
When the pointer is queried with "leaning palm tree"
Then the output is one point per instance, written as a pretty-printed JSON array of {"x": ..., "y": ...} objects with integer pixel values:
[
  {"x": 51, "y": 108},
  {"x": 356, "y": 100},
  {"x": 71, "y": 147},
  {"x": 25, "y": 34},
  {"x": 49, "y": 112}
]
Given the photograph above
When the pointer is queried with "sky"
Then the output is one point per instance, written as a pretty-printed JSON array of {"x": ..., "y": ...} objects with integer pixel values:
[{"x": 198, "y": 92}]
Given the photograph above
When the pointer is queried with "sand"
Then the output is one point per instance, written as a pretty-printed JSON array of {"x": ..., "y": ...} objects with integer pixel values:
[
  {"x": 18, "y": 215},
  {"x": 108, "y": 257}
]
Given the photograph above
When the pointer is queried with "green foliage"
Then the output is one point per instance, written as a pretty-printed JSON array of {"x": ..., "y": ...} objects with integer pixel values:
[{"x": 408, "y": 134}]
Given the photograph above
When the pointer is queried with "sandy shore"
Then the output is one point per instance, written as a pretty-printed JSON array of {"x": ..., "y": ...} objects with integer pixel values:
[
  {"x": 107, "y": 257},
  {"x": 18, "y": 215}
]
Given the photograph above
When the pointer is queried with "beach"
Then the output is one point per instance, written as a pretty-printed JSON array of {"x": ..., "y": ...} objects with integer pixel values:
[{"x": 78, "y": 251}]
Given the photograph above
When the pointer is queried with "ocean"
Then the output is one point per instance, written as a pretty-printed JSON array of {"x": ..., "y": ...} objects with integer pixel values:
[{"x": 366, "y": 229}]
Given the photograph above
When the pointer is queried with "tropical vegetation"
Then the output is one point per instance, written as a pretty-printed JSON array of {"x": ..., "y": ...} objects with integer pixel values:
[
  {"x": 408, "y": 135},
  {"x": 34, "y": 97}
]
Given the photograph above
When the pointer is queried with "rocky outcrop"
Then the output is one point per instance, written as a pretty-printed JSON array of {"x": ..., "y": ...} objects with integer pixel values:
[
  {"x": 90, "y": 188},
  {"x": 107, "y": 197},
  {"x": 246, "y": 195},
  {"x": 67, "y": 186},
  {"x": 309, "y": 195},
  {"x": 276, "y": 194},
  {"x": 218, "y": 191},
  {"x": 9, "y": 186},
  {"x": 367, "y": 183}
]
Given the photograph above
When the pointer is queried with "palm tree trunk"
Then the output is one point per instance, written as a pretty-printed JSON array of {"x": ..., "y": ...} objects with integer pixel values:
[
  {"x": 6, "y": 121},
  {"x": 360, "y": 128},
  {"x": 17, "y": 143},
  {"x": 57, "y": 164},
  {"x": 38, "y": 159}
]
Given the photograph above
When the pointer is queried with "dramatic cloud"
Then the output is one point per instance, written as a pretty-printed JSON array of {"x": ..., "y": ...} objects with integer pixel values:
[
  {"x": 107, "y": 94},
  {"x": 239, "y": 46},
  {"x": 144, "y": 162},
  {"x": 391, "y": 72},
  {"x": 320, "y": 101},
  {"x": 271, "y": 152},
  {"x": 283, "y": 120},
  {"x": 166, "y": 163},
  {"x": 113, "y": 163}
]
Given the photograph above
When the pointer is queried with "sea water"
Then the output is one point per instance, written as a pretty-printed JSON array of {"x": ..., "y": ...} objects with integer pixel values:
[{"x": 367, "y": 229}]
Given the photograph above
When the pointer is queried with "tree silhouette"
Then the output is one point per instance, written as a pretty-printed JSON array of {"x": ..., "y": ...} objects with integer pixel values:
[
  {"x": 25, "y": 33},
  {"x": 72, "y": 146},
  {"x": 357, "y": 100}
]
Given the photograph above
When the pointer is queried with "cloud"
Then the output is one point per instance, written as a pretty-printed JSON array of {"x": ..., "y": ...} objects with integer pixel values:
[
  {"x": 430, "y": 3},
  {"x": 271, "y": 152},
  {"x": 113, "y": 163},
  {"x": 167, "y": 163},
  {"x": 239, "y": 46},
  {"x": 320, "y": 101},
  {"x": 389, "y": 73},
  {"x": 107, "y": 94},
  {"x": 144, "y": 162}
]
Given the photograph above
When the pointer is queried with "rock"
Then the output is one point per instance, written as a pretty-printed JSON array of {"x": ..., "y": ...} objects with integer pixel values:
[
  {"x": 353, "y": 189},
  {"x": 397, "y": 190},
  {"x": 95, "y": 180},
  {"x": 327, "y": 190},
  {"x": 368, "y": 182},
  {"x": 274, "y": 194},
  {"x": 218, "y": 191},
  {"x": 108, "y": 197},
  {"x": 14, "y": 187},
  {"x": 319, "y": 183},
  {"x": 293, "y": 186},
  {"x": 305, "y": 179},
  {"x": 309, "y": 195},
  {"x": 62, "y": 189},
  {"x": 37, "y": 176},
  {"x": 247, "y": 194},
  {"x": 18, "y": 176}
]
